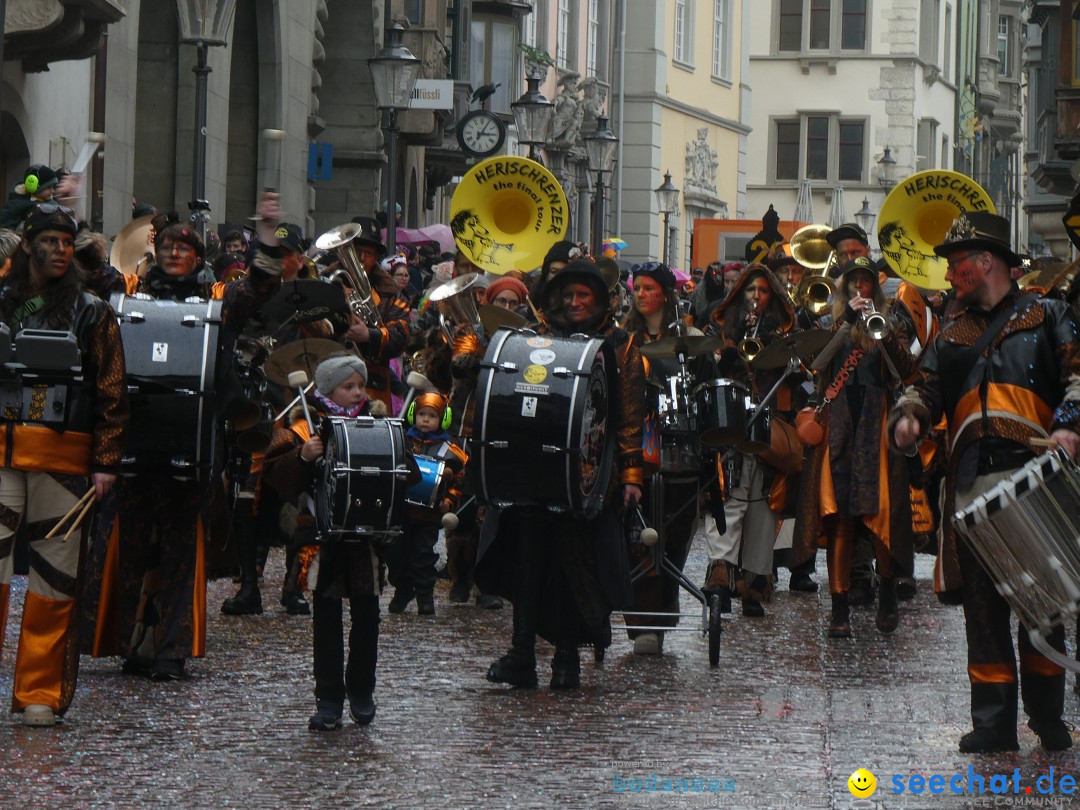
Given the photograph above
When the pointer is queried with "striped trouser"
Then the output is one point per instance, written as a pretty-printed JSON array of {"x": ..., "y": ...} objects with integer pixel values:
[{"x": 47, "y": 661}]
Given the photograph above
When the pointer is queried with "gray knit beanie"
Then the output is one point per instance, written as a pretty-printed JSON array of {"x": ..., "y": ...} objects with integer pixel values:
[{"x": 333, "y": 371}]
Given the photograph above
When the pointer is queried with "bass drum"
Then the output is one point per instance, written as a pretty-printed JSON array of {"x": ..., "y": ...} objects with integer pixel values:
[
  {"x": 362, "y": 488},
  {"x": 543, "y": 421}
]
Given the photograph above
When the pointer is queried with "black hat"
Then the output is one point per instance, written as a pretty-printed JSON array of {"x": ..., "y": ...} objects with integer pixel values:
[
  {"x": 979, "y": 230},
  {"x": 49, "y": 217},
  {"x": 658, "y": 272},
  {"x": 782, "y": 261},
  {"x": 38, "y": 178},
  {"x": 370, "y": 233},
  {"x": 858, "y": 263},
  {"x": 579, "y": 271},
  {"x": 562, "y": 251},
  {"x": 849, "y": 230},
  {"x": 291, "y": 237}
]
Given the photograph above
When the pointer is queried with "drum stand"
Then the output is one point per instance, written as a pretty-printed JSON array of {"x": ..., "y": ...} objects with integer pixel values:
[{"x": 656, "y": 563}]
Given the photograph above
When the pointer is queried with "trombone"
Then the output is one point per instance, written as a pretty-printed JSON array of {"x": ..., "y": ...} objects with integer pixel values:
[{"x": 814, "y": 293}]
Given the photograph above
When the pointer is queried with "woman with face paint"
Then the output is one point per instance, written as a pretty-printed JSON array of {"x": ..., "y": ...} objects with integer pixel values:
[
  {"x": 654, "y": 316},
  {"x": 853, "y": 485},
  {"x": 53, "y": 454}
]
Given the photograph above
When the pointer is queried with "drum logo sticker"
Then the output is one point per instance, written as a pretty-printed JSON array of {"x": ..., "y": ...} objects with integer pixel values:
[
  {"x": 528, "y": 406},
  {"x": 542, "y": 357},
  {"x": 535, "y": 374},
  {"x": 539, "y": 342},
  {"x": 160, "y": 353}
]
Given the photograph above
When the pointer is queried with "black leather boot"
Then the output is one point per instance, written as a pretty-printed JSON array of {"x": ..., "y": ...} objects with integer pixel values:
[
  {"x": 840, "y": 620},
  {"x": 566, "y": 667},
  {"x": 993, "y": 719},
  {"x": 888, "y": 612},
  {"x": 518, "y": 666},
  {"x": 1044, "y": 702}
]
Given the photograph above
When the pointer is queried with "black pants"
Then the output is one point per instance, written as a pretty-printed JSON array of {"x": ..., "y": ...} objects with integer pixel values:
[
  {"x": 333, "y": 680},
  {"x": 412, "y": 557}
]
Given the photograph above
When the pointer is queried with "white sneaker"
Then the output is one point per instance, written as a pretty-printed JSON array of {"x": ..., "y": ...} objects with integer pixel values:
[
  {"x": 647, "y": 644},
  {"x": 38, "y": 715}
]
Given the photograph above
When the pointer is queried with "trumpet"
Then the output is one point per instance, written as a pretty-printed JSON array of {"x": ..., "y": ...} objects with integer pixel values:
[
  {"x": 876, "y": 325},
  {"x": 750, "y": 347},
  {"x": 351, "y": 274}
]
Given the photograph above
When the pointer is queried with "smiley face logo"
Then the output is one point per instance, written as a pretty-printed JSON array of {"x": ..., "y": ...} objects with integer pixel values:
[{"x": 862, "y": 783}]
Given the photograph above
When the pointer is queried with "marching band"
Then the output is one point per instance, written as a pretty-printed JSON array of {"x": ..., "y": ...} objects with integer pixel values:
[{"x": 577, "y": 451}]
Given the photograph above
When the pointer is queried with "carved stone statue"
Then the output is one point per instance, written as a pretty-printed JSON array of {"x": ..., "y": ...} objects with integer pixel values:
[
  {"x": 566, "y": 120},
  {"x": 701, "y": 163},
  {"x": 595, "y": 96},
  {"x": 434, "y": 65}
]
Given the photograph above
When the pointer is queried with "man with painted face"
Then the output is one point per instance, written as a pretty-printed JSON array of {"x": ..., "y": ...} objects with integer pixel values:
[
  {"x": 547, "y": 563},
  {"x": 849, "y": 241},
  {"x": 1004, "y": 369},
  {"x": 52, "y": 457}
]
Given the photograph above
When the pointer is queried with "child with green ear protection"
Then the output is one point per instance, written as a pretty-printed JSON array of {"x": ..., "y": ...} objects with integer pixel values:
[{"x": 412, "y": 558}]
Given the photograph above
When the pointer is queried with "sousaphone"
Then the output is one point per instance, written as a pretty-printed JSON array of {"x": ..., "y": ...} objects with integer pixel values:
[
  {"x": 915, "y": 217},
  {"x": 506, "y": 214}
]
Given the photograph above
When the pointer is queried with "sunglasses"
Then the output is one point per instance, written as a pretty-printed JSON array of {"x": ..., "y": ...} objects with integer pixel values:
[{"x": 52, "y": 208}]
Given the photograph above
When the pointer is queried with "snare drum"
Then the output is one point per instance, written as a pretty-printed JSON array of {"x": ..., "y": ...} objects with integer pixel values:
[
  {"x": 362, "y": 488},
  {"x": 422, "y": 498},
  {"x": 722, "y": 407},
  {"x": 675, "y": 408},
  {"x": 542, "y": 424},
  {"x": 1026, "y": 531}
]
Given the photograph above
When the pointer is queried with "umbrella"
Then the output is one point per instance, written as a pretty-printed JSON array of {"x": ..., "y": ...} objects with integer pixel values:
[
  {"x": 439, "y": 234},
  {"x": 613, "y": 243},
  {"x": 680, "y": 276}
]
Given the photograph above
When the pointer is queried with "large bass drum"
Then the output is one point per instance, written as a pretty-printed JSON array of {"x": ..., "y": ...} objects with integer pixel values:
[
  {"x": 362, "y": 488},
  {"x": 543, "y": 423},
  {"x": 171, "y": 350}
]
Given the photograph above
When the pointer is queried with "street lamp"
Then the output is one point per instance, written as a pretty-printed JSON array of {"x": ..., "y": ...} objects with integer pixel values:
[
  {"x": 886, "y": 174},
  {"x": 667, "y": 200},
  {"x": 202, "y": 23},
  {"x": 393, "y": 72},
  {"x": 864, "y": 216},
  {"x": 600, "y": 151},
  {"x": 532, "y": 115}
]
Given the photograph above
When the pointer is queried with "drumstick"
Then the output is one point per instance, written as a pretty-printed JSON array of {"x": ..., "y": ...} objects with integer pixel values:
[
  {"x": 1038, "y": 441},
  {"x": 75, "y": 524},
  {"x": 299, "y": 381},
  {"x": 78, "y": 505}
]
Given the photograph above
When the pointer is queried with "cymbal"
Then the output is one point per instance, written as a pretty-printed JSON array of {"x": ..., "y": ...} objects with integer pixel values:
[
  {"x": 300, "y": 355},
  {"x": 495, "y": 317},
  {"x": 803, "y": 345},
  {"x": 689, "y": 345},
  {"x": 304, "y": 301},
  {"x": 131, "y": 246}
]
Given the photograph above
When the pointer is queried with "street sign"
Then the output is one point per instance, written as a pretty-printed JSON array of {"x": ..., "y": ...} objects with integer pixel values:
[{"x": 432, "y": 94}]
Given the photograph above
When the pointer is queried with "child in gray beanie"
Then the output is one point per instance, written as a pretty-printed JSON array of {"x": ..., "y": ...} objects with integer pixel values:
[{"x": 333, "y": 371}]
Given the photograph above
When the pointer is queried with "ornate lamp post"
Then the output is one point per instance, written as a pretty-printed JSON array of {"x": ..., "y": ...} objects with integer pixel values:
[
  {"x": 202, "y": 23},
  {"x": 864, "y": 216},
  {"x": 667, "y": 200},
  {"x": 886, "y": 174},
  {"x": 393, "y": 72},
  {"x": 532, "y": 115},
  {"x": 600, "y": 149}
]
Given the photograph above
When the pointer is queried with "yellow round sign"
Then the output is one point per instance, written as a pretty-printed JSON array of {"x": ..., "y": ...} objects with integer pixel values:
[{"x": 535, "y": 374}]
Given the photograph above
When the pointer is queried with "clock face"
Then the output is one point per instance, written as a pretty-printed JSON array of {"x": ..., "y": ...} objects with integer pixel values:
[{"x": 481, "y": 133}]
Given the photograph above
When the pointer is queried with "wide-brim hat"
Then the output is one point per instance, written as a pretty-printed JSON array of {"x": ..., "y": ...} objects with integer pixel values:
[
  {"x": 370, "y": 233},
  {"x": 979, "y": 230},
  {"x": 849, "y": 230}
]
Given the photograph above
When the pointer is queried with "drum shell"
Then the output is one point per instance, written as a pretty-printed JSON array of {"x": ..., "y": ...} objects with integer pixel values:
[
  {"x": 361, "y": 491},
  {"x": 533, "y": 421},
  {"x": 721, "y": 411},
  {"x": 785, "y": 451},
  {"x": 676, "y": 410},
  {"x": 170, "y": 350},
  {"x": 422, "y": 499}
]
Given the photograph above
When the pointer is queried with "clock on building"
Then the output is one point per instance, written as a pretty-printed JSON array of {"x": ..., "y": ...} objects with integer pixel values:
[{"x": 481, "y": 133}]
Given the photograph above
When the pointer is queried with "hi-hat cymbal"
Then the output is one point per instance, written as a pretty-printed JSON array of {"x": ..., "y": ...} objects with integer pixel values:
[
  {"x": 304, "y": 301},
  {"x": 688, "y": 345},
  {"x": 803, "y": 345},
  {"x": 300, "y": 355},
  {"x": 494, "y": 317}
]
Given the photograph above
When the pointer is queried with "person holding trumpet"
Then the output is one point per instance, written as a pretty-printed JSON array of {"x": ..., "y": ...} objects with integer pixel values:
[
  {"x": 48, "y": 464},
  {"x": 1004, "y": 370}
]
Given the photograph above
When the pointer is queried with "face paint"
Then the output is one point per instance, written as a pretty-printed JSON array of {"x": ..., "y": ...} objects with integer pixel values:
[
  {"x": 757, "y": 293},
  {"x": 648, "y": 295}
]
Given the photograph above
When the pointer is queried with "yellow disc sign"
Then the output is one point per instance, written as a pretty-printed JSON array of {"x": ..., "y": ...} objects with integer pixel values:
[
  {"x": 915, "y": 218},
  {"x": 506, "y": 214}
]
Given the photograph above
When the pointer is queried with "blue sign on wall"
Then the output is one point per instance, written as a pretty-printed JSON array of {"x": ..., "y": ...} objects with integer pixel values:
[{"x": 320, "y": 164}]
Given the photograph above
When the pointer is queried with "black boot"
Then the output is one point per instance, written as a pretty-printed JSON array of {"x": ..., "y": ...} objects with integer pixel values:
[
  {"x": 518, "y": 666},
  {"x": 800, "y": 578},
  {"x": 1044, "y": 702},
  {"x": 247, "y": 602},
  {"x": 566, "y": 667},
  {"x": 888, "y": 613},
  {"x": 840, "y": 620},
  {"x": 993, "y": 719}
]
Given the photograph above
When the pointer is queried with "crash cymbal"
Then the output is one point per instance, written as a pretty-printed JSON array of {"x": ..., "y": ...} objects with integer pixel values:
[
  {"x": 689, "y": 345},
  {"x": 304, "y": 301},
  {"x": 300, "y": 355},
  {"x": 495, "y": 317},
  {"x": 803, "y": 345}
]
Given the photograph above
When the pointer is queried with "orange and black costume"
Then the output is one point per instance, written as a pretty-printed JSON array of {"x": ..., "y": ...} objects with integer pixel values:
[
  {"x": 388, "y": 340},
  {"x": 1024, "y": 384}
]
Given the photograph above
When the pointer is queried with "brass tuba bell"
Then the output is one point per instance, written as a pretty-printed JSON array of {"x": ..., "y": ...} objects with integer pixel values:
[
  {"x": 456, "y": 302},
  {"x": 342, "y": 241},
  {"x": 811, "y": 249}
]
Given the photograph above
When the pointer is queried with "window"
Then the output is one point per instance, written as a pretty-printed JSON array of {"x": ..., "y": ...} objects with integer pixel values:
[
  {"x": 926, "y": 141},
  {"x": 721, "y": 47},
  {"x": 531, "y": 26},
  {"x": 928, "y": 31},
  {"x": 593, "y": 44},
  {"x": 1004, "y": 29},
  {"x": 414, "y": 11},
  {"x": 684, "y": 36},
  {"x": 820, "y": 147},
  {"x": 493, "y": 58},
  {"x": 946, "y": 61},
  {"x": 821, "y": 25},
  {"x": 564, "y": 42},
  {"x": 945, "y": 152}
]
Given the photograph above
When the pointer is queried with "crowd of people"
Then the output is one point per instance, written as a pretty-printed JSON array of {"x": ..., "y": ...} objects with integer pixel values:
[{"x": 890, "y": 407}]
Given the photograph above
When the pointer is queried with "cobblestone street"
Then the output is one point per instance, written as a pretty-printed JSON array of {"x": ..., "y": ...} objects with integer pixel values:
[{"x": 786, "y": 718}]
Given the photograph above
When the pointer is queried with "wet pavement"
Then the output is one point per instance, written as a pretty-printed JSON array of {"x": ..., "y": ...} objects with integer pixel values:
[{"x": 782, "y": 722}]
